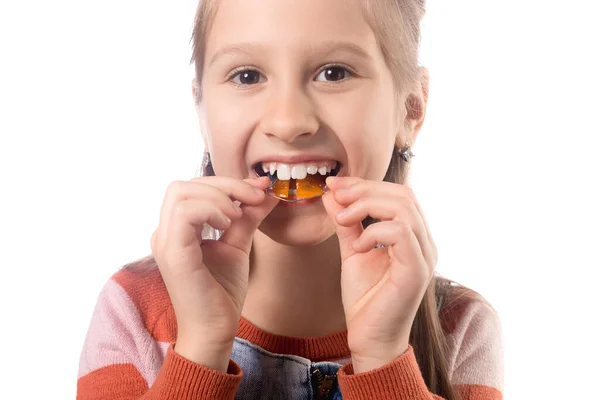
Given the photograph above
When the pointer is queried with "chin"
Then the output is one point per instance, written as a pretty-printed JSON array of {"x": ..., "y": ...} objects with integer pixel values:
[{"x": 298, "y": 231}]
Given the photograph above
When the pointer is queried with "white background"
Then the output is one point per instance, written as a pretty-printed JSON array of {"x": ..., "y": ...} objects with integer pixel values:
[{"x": 97, "y": 117}]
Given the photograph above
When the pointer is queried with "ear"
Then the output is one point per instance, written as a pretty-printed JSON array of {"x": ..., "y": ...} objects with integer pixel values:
[{"x": 416, "y": 106}]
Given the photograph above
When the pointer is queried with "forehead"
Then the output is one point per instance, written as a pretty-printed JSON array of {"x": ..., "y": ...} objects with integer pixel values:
[{"x": 292, "y": 25}]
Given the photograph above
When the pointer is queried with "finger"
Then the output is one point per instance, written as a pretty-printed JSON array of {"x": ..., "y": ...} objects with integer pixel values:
[
  {"x": 346, "y": 234},
  {"x": 246, "y": 191},
  {"x": 178, "y": 242},
  {"x": 396, "y": 234},
  {"x": 260, "y": 183},
  {"x": 383, "y": 208},
  {"x": 220, "y": 190},
  {"x": 403, "y": 244},
  {"x": 339, "y": 182},
  {"x": 356, "y": 189},
  {"x": 208, "y": 199},
  {"x": 389, "y": 208},
  {"x": 353, "y": 190},
  {"x": 241, "y": 232}
]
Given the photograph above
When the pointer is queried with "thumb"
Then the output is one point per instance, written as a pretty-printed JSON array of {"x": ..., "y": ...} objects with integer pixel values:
[
  {"x": 346, "y": 234},
  {"x": 241, "y": 231}
]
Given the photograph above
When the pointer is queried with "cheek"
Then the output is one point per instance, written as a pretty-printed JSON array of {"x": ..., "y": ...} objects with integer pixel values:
[
  {"x": 364, "y": 124},
  {"x": 224, "y": 119},
  {"x": 226, "y": 129}
]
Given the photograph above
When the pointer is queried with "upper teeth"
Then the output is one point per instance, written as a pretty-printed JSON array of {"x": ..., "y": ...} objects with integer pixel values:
[{"x": 297, "y": 171}]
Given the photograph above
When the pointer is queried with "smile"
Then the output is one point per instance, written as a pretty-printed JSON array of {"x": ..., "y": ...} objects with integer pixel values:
[{"x": 295, "y": 182}]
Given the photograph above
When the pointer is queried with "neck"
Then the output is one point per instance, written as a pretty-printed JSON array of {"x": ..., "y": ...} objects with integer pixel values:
[{"x": 295, "y": 291}]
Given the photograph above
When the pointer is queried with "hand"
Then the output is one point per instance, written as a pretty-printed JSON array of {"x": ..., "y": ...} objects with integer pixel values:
[
  {"x": 207, "y": 280},
  {"x": 381, "y": 287}
]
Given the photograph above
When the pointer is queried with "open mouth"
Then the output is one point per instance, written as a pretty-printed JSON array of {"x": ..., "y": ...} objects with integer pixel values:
[{"x": 295, "y": 182}]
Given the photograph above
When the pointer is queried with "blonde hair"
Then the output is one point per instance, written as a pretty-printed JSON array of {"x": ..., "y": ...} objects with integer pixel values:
[{"x": 396, "y": 25}]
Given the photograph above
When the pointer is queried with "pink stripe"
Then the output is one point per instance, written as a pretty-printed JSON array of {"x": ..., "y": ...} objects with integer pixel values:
[
  {"x": 477, "y": 355},
  {"x": 117, "y": 335}
]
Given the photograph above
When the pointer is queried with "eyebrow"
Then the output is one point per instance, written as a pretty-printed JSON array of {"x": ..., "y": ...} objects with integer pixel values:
[{"x": 324, "y": 49}]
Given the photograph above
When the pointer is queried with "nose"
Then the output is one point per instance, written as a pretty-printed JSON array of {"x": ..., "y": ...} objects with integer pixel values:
[{"x": 289, "y": 114}]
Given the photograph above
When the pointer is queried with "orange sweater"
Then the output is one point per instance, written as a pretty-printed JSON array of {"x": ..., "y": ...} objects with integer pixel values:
[{"x": 128, "y": 354}]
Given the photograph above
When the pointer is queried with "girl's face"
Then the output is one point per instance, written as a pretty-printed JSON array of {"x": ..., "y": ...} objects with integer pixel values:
[{"x": 297, "y": 81}]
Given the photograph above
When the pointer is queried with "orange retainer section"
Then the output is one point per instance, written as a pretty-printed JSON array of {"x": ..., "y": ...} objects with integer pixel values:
[{"x": 299, "y": 189}]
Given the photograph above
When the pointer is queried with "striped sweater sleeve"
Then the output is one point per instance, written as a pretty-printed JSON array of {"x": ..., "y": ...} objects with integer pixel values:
[
  {"x": 476, "y": 363},
  {"x": 121, "y": 360}
]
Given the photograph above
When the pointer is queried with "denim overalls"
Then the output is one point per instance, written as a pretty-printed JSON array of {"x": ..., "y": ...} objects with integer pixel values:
[{"x": 278, "y": 376}]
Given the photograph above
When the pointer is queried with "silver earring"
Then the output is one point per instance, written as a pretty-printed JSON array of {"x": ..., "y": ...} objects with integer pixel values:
[
  {"x": 206, "y": 162},
  {"x": 406, "y": 153}
]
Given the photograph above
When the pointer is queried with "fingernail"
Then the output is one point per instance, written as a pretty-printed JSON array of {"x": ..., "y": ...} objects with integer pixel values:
[
  {"x": 331, "y": 179},
  {"x": 236, "y": 207}
]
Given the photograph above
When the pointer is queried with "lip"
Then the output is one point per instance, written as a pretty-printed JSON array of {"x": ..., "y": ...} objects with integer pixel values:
[{"x": 294, "y": 158}]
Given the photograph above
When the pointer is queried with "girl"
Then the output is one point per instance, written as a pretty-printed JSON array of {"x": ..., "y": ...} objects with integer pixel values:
[{"x": 322, "y": 298}]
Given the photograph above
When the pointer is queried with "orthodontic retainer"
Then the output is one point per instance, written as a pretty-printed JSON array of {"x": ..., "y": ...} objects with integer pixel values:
[{"x": 292, "y": 190}]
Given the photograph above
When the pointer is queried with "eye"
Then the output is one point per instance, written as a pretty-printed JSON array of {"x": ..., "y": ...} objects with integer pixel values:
[
  {"x": 334, "y": 73},
  {"x": 246, "y": 77}
]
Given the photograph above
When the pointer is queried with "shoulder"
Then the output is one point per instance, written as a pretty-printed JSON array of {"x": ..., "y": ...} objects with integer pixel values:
[
  {"x": 474, "y": 331},
  {"x": 142, "y": 283},
  {"x": 461, "y": 306}
]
